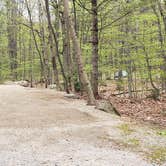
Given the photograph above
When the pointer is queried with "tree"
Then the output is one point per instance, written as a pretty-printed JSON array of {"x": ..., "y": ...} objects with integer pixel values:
[
  {"x": 51, "y": 43},
  {"x": 82, "y": 73},
  {"x": 95, "y": 72},
  {"x": 12, "y": 36}
]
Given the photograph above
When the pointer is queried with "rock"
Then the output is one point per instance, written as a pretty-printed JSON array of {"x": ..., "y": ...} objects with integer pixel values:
[
  {"x": 52, "y": 86},
  {"x": 22, "y": 83},
  {"x": 9, "y": 83},
  {"x": 71, "y": 96},
  {"x": 106, "y": 106}
]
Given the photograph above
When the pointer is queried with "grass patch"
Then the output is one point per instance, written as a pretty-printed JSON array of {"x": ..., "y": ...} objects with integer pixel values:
[
  {"x": 134, "y": 142},
  {"x": 131, "y": 143},
  {"x": 162, "y": 133},
  {"x": 158, "y": 155},
  {"x": 126, "y": 129}
]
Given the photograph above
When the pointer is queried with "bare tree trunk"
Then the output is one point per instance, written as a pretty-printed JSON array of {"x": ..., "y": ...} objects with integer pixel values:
[
  {"x": 75, "y": 17},
  {"x": 161, "y": 40},
  {"x": 51, "y": 43},
  {"x": 43, "y": 45},
  {"x": 95, "y": 56},
  {"x": 30, "y": 52},
  {"x": 82, "y": 73},
  {"x": 12, "y": 36},
  {"x": 54, "y": 36},
  {"x": 35, "y": 40},
  {"x": 67, "y": 60}
]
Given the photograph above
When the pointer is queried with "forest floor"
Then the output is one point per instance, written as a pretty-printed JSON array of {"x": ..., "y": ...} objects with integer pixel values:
[
  {"x": 143, "y": 108},
  {"x": 39, "y": 127}
]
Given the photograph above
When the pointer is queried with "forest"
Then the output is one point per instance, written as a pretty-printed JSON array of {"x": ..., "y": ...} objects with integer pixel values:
[
  {"x": 113, "y": 36},
  {"x": 110, "y": 53}
]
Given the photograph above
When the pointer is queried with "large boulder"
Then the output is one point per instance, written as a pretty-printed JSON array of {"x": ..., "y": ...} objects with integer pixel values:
[
  {"x": 71, "y": 96},
  {"x": 106, "y": 106},
  {"x": 22, "y": 83}
]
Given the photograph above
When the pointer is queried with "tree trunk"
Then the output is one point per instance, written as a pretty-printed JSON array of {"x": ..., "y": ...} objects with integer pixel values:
[
  {"x": 95, "y": 72},
  {"x": 43, "y": 45},
  {"x": 54, "y": 36},
  {"x": 35, "y": 40},
  {"x": 51, "y": 43},
  {"x": 161, "y": 40},
  {"x": 12, "y": 36},
  {"x": 82, "y": 73}
]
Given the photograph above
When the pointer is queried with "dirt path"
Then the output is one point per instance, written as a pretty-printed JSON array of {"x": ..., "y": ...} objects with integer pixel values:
[{"x": 42, "y": 128}]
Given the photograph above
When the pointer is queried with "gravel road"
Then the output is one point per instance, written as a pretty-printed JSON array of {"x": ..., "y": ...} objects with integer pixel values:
[{"x": 40, "y": 127}]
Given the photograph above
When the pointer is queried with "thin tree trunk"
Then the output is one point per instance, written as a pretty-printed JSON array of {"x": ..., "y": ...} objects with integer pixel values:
[
  {"x": 95, "y": 56},
  {"x": 161, "y": 40},
  {"x": 12, "y": 36},
  {"x": 51, "y": 43},
  {"x": 43, "y": 45},
  {"x": 54, "y": 36},
  {"x": 35, "y": 40}
]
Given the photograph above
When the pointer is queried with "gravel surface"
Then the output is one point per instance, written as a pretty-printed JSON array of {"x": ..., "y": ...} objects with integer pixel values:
[{"x": 40, "y": 127}]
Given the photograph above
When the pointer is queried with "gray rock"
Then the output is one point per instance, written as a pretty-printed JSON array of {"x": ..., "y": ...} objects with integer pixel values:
[
  {"x": 71, "y": 96},
  {"x": 106, "y": 106},
  {"x": 22, "y": 83}
]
